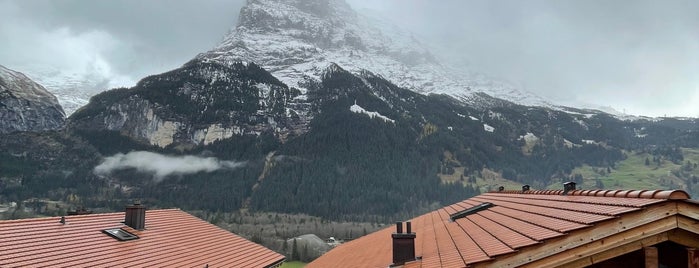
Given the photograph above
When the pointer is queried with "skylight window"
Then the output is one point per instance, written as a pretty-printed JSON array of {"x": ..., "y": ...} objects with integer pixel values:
[
  {"x": 120, "y": 234},
  {"x": 470, "y": 211}
]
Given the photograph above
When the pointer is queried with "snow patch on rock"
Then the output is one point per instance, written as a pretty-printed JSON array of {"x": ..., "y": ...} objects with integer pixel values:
[
  {"x": 529, "y": 137},
  {"x": 358, "y": 109}
]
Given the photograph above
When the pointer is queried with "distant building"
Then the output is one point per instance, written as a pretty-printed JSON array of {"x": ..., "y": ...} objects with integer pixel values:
[
  {"x": 136, "y": 238},
  {"x": 530, "y": 228}
]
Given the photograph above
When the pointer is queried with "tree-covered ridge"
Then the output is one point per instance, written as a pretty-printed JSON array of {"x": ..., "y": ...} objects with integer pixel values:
[{"x": 204, "y": 92}]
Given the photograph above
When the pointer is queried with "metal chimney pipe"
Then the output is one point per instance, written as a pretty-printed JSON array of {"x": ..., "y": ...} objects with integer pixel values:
[
  {"x": 399, "y": 227},
  {"x": 408, "y": 227}
]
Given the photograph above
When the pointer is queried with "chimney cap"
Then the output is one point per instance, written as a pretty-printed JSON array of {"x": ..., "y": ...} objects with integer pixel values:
[{"x": 568, "y": 186}]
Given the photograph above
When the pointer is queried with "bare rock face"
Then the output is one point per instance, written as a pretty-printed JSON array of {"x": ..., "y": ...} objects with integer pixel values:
[{"x": 26, "y": 105}]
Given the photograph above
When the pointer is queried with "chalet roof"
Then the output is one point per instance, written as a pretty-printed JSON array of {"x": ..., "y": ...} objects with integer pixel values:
[
  {"x": 527, "y": 228},
  {"x": 171, "y": 238}
]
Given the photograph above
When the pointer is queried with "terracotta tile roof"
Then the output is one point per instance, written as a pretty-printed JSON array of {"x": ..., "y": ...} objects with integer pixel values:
[
  {"x": 171, "y": 238},
  {"x": 517, "y": 220}
]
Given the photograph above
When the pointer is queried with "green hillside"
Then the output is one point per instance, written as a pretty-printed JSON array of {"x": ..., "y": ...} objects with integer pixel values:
[
  {"x": 635, "y": 172},
  {"x": 293, "y": 264}
]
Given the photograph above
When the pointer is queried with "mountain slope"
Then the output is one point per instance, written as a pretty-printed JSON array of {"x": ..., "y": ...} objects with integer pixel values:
[
  {"x": 26, "y": 105},
  {"x": 353, "y": 147},
  {"x": 300, "y": 158},
  {"x": 197, "y": 105},
  {"x": 364, "y": 147},
  {"x": 295, "y": 40}
]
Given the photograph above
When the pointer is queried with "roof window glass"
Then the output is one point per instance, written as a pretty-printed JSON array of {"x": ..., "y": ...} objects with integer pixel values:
[
  {"x": 120, "y": 234},
  {"x": 470, "y": 211}
]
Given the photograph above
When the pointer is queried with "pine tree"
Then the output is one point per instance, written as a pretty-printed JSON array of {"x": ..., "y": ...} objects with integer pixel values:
[
  {"x": 285, "y": 248},
  {"x": 305, "y": 257},
  {"x": 295, "y": 252}
]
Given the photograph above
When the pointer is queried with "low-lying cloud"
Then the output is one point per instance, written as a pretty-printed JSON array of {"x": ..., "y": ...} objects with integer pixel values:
[{"x": 161, "y": 166}]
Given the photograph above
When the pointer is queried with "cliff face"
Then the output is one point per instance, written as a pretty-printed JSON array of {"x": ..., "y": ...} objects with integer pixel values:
[
  {"x": 197, "y": 104},
  {"x": 26, "y": 105}
]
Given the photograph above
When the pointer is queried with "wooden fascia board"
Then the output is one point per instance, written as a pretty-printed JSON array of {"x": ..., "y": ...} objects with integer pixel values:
[
  {"x": 577, "y": 238},
  {"x": 690, "y": 210},
  {"x": 688, "y": 224},
  {"x": 618, "y": 251},
  {"x": 614, "y": 245},
  {"x": 685, "y": 238}
]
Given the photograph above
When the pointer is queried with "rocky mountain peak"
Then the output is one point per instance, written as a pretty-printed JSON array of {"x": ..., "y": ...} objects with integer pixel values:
[
  {"x": 26, "y": 105},
  {"x": 333, "y": 68},
  {"x": 20, "y": 85},
  {"x": 295, "y": 40},
  {"x": 268, "y": 15}
]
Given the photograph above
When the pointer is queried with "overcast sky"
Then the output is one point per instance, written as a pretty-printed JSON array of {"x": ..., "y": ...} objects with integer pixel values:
[{"x": 641, "y": 57}]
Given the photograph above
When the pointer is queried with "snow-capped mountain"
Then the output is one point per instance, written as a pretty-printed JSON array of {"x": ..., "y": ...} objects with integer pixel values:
[
  {"x": 26, "y": 105},
  {"x": 295, "y": 40},
  {"x": 73, "y": 88}
]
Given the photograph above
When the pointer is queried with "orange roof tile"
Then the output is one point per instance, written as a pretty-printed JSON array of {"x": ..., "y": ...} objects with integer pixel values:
[
  {"x": 516, "y": 220},
  {"x": 171, "y": 238}
]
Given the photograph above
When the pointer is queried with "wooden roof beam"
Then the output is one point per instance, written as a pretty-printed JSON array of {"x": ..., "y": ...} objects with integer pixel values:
[
  {"x": 615, "y": 245},
  {"x": 688, "y": 209},
  {"x": 618, "y": 251}
]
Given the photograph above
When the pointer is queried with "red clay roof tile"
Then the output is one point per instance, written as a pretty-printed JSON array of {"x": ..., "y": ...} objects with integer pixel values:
[
  {"x": 508, "y": 236},
  {"x": 517, "y": 220},
  {"x": 171, "y": 238},
  {"x": 556, "y": 213}
]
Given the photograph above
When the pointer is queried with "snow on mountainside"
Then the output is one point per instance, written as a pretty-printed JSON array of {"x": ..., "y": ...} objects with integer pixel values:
[
  {"x": 358, "y": 109},
  {"x": 26, "y": 105},
  {"x": 73, "y": 88},
  {"x": 295, "y": 40}
]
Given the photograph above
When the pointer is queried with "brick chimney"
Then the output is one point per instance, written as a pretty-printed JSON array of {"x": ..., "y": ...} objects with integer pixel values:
[
  {"x": 135, "y": 216},
  {"x": 403, "y": 244}
]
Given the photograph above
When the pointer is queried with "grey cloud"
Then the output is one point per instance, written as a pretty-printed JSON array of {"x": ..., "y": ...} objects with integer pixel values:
[
  {"x": 161, "y": 166},
  {"x": 637, "y": 55},
  {"x": 640, "y": 56},
  {"x": 144, "y": 37}
]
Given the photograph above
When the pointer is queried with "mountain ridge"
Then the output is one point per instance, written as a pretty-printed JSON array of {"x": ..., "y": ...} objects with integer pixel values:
[{"x": 25, "y": 105}]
